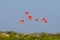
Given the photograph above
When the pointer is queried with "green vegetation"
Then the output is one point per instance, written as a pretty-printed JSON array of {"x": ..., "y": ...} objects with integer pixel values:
[{"x": 35, "y": 36}]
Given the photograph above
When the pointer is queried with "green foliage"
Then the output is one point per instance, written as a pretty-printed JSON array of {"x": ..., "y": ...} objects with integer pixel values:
[{"x": 20, "y": 36}]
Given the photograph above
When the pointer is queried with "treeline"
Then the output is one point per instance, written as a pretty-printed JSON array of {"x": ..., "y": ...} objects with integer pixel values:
[{"x": 10, "y": 35}]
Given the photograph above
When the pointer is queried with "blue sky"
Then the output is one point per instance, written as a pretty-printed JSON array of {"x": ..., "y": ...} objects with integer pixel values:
[{"x": 13, "y": 10}]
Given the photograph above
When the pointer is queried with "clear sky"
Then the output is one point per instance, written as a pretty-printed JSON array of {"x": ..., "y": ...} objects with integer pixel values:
[{"x": 13, "y": 10}]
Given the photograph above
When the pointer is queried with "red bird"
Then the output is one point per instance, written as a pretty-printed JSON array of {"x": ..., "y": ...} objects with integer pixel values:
[
  {"x": 22, "y": 20},
  {"x": 26, "y": 13},
  {"x": 45, "y": 20},
  {"x": 30, "y": 17},
  {"x": 37, "y": 19}
]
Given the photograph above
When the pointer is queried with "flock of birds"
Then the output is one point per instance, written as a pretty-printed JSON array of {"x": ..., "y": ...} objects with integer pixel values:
[{"x": 30, "y": 17}]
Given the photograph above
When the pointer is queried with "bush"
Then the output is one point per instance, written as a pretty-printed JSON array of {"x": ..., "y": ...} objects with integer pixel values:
[{"x": 37, "y": 36}]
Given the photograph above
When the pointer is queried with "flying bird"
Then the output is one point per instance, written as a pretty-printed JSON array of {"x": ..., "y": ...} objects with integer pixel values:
[
  {"x": 27, "y": 13},
  {"x": 45, "y": 20},
  {"x": 22, "y": 20},
  {"x": 30, "y": 17},
  {"x": 37, "y": 20}
]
